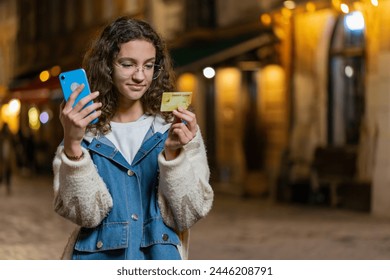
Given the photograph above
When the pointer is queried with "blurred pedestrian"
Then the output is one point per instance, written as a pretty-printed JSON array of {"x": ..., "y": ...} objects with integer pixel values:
[
  {"x": 7, "y": 157},
  {"x": 30, "y": 149},
  {"x": 138, "y": 179}
]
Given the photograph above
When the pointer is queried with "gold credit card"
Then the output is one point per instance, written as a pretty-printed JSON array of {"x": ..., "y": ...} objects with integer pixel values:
[{"x": 173, "y": 100}]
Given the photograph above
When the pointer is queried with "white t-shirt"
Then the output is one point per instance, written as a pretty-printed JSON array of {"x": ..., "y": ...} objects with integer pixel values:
[{"x": 128, "y": 137}]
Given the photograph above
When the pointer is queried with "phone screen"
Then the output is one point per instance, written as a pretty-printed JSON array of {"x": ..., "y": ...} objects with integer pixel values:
[{"x": 70, "y": 80}]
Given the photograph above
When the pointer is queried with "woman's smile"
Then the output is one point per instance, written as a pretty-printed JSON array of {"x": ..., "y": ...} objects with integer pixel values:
[
  {"x": 136, "y": 87},
  {"x": 131, "y": 75}
]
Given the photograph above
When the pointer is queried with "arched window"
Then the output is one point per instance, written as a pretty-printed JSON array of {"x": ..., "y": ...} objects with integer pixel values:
[{"x": 346, "y": 80}]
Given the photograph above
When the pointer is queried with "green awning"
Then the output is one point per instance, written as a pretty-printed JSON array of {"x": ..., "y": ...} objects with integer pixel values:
[{"x": 201, "y": 54}]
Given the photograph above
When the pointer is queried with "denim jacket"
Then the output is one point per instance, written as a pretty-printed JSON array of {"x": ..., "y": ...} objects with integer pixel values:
[{"x": 134, "y": 227}]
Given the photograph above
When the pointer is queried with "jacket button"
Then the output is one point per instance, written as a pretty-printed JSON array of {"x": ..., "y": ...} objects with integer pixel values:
[
  {"x": 134, "y": 217},
  {"x": 130, "y": 172},
  {"x": 165, "y": 237},
  {"x": 99, "y": 244}
]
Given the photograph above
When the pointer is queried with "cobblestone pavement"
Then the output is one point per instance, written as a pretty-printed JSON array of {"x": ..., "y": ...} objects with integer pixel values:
[{"x": 235, "y": 229}]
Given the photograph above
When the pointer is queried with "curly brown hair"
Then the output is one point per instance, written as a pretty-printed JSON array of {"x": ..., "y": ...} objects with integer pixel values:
[{"x": 98, "y": 63}]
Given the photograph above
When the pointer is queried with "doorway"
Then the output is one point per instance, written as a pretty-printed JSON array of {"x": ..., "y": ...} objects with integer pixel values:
[{"x": 346, "y": 80}]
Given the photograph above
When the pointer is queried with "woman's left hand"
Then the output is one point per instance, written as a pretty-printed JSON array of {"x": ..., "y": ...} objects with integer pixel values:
[{"x": 182, "y": 131}]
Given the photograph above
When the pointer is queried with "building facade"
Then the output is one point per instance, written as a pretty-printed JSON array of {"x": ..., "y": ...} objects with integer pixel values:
[
  {"x": 279, "y": 86},
  {"x": 9, "y": 28}
]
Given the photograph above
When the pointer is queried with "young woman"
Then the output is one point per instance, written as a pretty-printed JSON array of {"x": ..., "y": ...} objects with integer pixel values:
[{"x": 137, "y": 180}]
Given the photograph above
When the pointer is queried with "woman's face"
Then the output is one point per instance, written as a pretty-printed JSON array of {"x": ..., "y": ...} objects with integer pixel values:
[{"x": 133, "y": 70}]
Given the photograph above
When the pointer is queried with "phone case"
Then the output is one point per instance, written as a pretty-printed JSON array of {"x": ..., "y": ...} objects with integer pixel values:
[{"x": 70, "y": 80}]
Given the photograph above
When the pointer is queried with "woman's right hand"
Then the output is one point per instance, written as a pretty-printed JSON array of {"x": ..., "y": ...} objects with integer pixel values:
[{"x": 75, "y": 120}]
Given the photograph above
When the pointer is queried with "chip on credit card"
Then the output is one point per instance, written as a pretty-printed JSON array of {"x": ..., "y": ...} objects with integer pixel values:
[{"x": 173, "y": 100}]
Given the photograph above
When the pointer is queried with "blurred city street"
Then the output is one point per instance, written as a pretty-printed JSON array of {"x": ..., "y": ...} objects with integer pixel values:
[{"x": 236, "y": 228}]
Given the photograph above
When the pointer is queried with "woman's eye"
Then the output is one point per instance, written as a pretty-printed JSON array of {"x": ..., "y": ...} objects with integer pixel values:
[
  {"x": 149, "y": 66},
  {"x": 127, "y": 65}
]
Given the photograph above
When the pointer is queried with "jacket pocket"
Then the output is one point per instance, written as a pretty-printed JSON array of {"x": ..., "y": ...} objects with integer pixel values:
[
  {"x": 156, "y": 232},
  {"x": 108, "y": 236}
]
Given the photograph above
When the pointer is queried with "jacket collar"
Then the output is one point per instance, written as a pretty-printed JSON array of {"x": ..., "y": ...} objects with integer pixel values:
[
  {"x": 102, "y": 145},
  {"x": 158, "y": 125}
]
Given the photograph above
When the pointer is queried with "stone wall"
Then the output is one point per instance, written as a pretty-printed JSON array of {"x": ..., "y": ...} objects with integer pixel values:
[
  {"x": 374, "y": 161},
  {"x": 312, "y": 32}
]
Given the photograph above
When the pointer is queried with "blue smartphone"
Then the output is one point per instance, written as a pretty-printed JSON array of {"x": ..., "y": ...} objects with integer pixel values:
[{"x": 70, "y": 80}]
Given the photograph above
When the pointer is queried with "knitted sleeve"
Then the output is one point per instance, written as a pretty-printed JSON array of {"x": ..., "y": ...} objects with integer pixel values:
[
  {"x": 185, "y": 195},
  {"x": 80, "y": 194}
]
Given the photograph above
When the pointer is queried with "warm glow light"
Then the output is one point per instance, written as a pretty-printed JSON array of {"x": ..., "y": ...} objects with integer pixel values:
[
  {"x": 14, "y": 107},
  {"x": 374, "y": 3},
  {"x": 55, "y": 71},
  {"x": 5, "y": 112},
  {"x": 344, "y": 8},
  {"x": 10, "y": 114},
  {"x": 272, "y": 74},
  {"x": 209, "y": 72},
  {"x": 33, "y": 118},
  {"x": 265, "y": 19},
  {"x": 10, "y": 110},
  {"x": 279, "y": 32},
  {"x": 228, "y": 119},
  {"x": 289, "y": 4},
  {"x": 186, "y": 82},
  {"x": 286, "y": 12},
  {"x": 340, "y": 5},
  {"x": 228, "y": 82},
  {"x": 272, "y": 82},
  {"x": 357, "y": 6},
  {"x": 310, "y": 7},
  {"x": 44, "y": 76},
  {"x": 336, "y": 3}
]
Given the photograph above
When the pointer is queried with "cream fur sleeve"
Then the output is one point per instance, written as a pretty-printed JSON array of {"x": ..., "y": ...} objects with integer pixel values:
[
  {"x": 185, "y": 195},
  {"x": 80, "y": 194}
]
